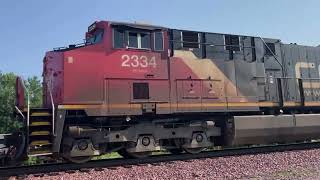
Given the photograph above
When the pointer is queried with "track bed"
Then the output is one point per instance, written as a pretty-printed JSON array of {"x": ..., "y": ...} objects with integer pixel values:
[{"x": 159, "y": 160}]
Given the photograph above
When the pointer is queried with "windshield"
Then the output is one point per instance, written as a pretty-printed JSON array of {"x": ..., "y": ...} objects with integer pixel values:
[{"x": 96, "y": 37}]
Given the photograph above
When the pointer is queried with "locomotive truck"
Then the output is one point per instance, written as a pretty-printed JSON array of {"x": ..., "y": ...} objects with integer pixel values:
[{"x": 136, "y": 88}]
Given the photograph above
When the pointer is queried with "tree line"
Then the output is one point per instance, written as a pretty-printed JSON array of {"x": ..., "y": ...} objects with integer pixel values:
[{"x": 8, "y": 121}]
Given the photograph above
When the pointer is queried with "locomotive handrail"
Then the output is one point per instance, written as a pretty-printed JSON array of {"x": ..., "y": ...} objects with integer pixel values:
[
  {"x": 224, "y": 45},
  {"x": 26, "y": 90},
  {"x": 26, "y": 121},
  {"x": 197, "y": 79},
  {"x": 309, "y": 78},
  {"x": 28, "y": 109},
  {"x": 53, "y": 109},
  {"x": 137, "y": 79},
  {"x": 210, "y": 44},
  {"x": 20, "y": 112},
  {"x": 71, "y": 46},
  {"x": 273, "y": 77},
  {"x": 143, "y": 101}
]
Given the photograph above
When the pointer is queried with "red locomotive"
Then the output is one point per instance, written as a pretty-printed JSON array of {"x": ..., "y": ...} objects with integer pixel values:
[{"x": 136, "y": 88}]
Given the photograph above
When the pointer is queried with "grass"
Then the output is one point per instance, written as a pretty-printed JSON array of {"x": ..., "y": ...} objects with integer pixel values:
[
  {"x": 160, "y": 152},
  {"x": 34, "y": 161},
  {"x": 112, "y": 155},
  {"x": 39, "y": 160}
]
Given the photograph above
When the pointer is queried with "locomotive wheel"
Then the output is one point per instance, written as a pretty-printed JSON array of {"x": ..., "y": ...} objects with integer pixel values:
[
  {"x": 78, "y": 159},
  {"x": 136, "y": 155},
  {"x": 182, "y": 142},
  {"x": 179, "y": 143},
  {"x": 193, "y": 150},
  {"x": 17, "y": 150}
]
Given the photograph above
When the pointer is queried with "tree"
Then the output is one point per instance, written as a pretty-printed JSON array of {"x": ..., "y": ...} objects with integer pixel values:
[
  {"x": 34, "y": 87},
  {"x": 7, "y": 99}
]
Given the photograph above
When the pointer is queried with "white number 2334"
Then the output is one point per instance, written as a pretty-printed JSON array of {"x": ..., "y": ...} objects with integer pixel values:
[{"x": 138, "y": 61}]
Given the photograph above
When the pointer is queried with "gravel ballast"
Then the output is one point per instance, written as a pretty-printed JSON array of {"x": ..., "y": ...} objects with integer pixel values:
[{"x": 279, "y": 165}]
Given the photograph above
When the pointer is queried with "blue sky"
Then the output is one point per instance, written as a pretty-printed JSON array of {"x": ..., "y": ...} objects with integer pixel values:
[{"x": 29, "y": 28}]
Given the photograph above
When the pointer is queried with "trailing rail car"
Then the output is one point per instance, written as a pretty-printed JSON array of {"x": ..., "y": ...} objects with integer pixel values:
[{"x": 137, "y": 88}]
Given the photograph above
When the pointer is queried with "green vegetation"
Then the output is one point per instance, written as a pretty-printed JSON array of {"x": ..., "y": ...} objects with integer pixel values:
[
  {"x": 160, "y": 152},
  {"x": 33, "y": 161},
  {"x": 112, "y": 155},
  {"x": 8, "y": 122},
  {"x": 34, "y": 86},
  {"x": 7, "y": 101}
]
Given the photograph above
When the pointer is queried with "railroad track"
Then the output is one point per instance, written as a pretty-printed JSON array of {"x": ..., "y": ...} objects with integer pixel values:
[{"x": 58, "y": 167}]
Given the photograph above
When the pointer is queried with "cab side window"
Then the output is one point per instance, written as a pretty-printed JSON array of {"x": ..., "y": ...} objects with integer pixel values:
[
  {"x": 133, "y": 40},
  {"x": 118, "y": 38},
  {"x": 138, "y": 39},
  {"x": 145, "y": 40},
  {"x": 96, "y": 37},
  {"x": 158, "y": 41}
]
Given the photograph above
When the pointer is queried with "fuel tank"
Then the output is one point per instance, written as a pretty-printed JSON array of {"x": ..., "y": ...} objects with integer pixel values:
[{"x": 266, "y": 129}]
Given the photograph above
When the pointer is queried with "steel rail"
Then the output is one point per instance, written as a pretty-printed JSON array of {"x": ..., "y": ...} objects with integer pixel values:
[{"x": 58, "y": 167}]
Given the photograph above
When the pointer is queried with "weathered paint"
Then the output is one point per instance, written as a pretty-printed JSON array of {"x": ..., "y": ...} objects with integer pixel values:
[{"x": 99, "y": 78}]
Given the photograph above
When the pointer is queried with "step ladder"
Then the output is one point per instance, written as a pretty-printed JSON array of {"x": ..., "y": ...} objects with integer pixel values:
[{"x": 40, "y": 132}]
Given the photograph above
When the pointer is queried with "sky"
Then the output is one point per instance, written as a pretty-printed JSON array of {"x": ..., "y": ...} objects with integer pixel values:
[{"x": 29, "y": 28}]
